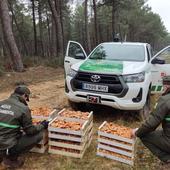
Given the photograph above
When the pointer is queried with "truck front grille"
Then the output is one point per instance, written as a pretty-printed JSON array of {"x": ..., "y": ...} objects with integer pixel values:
[
  {"x": 113, "y": 82},
  {"x": 105, "y": 79}
]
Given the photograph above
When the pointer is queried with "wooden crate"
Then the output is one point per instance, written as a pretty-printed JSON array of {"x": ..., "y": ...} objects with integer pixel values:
[
  {"x": 89, "y": 117},
  {"x": 52, "y": 115},
  {"x": 70, "y": 142},
  {"x": 42, "y": 146},
  {"x": 115, "y": 147}
]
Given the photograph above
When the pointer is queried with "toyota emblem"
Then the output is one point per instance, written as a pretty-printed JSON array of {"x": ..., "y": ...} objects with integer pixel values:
[{"x": 95, "y": 78}]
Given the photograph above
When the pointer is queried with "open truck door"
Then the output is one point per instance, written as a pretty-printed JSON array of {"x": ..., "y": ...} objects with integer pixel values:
[
  {"x": 74, "y": 54},
  {"x": 160, "y": 67}
]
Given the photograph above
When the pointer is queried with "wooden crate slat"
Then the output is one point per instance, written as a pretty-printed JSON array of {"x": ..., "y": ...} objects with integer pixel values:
[
  {"x": 70, "y": 119},
  {"x": 113, "y": 143},
  {"x": 120, "y": 138},
  {"x": 112, "y": 149},
  {"x": 67, "y": 145},
  {"x": 51, "y": 114},
  {"x": 90, "y": 140},
  {"x": 70, "y": 138},
  {"x": 61, "y": 118},
  {"x": 88, "y": 129},
  {"x": 39, "y": 117},
  {"x": 67, "y": 153},
  {"x": 90, "y": 117},
  {"x": 129, "y": 162},
  {"x": 102, "y": 124},
  {"x": 64, "y": 153},
  {"x": 67, "y": 131},
  {"x": 64, "y": 137}
]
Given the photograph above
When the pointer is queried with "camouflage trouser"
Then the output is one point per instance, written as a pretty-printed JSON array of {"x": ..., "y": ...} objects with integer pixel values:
[
  {"x": 158, "y": 144},
  {"x": 24, "y": 144}
]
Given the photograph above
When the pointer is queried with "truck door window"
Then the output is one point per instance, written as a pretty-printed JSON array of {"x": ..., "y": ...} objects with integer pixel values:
[
  {"x": 165, "y": 55},
  {"x": 75, "y": 50}
]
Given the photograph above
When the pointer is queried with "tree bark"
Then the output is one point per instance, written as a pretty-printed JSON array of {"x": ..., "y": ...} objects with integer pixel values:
[
  {"x": 61, "y": 19},
  {"x": 87, "y": 38},
  {"x": 113, "y": 16},
  {"x": 49, "y": 34},
  {"x": 9, "y": 37},
  {"x": 18, "y": 29},
  {"x": 57, "y": 19},
  {"x": 95, "y": 22},
  {"x": 34, "y": 27},
  {"x": 40, "y": 27}
]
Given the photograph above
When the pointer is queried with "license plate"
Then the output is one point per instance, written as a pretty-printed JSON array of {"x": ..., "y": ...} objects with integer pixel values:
[
  {"x": 95, "y": 87},
  {"x": 93, "y": 99}
]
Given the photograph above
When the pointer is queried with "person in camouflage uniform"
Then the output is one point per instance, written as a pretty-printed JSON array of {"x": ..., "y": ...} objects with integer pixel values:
[
  {"x": 158, "y": 140},
  {"x": 17, "y": 133}
]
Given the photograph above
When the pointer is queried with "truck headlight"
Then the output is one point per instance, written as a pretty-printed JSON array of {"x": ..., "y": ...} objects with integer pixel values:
[
  {"x": 72, "y": 73},
  {"x": 134, "y": 78}
]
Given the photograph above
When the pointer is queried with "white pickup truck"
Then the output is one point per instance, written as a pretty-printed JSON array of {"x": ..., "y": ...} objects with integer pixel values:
[{"x": 117, "y": 74}]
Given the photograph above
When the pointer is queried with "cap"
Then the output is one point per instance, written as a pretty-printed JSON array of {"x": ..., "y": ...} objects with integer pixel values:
[
  {"x": 21, "y": 90},
  {"x": 166, "y": 80}
]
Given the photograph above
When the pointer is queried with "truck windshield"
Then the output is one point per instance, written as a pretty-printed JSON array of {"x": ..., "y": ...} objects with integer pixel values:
[{"x": 120, "y": 52}]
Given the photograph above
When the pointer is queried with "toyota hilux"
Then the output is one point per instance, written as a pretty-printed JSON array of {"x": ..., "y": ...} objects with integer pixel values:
[{"x": 117, "y": 74}]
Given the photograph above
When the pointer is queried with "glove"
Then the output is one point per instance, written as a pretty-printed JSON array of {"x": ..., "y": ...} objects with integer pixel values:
[{"x": 45, "y": 124}]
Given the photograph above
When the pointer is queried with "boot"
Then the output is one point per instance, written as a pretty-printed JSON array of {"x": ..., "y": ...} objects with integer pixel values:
[{"x": 12, "y": 162}]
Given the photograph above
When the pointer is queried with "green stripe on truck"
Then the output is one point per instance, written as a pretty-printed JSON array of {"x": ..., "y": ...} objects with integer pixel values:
[
  {"x": 153, "y": 88},
  {"x": 159, "y": 88}
]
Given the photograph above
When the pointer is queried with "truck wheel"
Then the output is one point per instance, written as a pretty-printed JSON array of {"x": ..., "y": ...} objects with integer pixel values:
[{"x": 144, "y": 112}]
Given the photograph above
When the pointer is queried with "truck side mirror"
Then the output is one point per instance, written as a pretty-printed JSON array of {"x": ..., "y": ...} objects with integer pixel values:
[
  {"x": 80, "y": 56},
  {"x": 158, "y": 61}
]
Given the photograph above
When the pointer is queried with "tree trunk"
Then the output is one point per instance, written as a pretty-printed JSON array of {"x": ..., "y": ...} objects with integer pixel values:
[
  {"x": 9, "y": 37},
  {"x": 87, "y": 38},
  {"x": 113, "y": 16},
  {"x": 40, "y": 27},
  {"x": 17, "y": 27},
  {"x": 53, "y": 47},
  {"x": 57, "y": 19},
  {"x": 34, "y": 27},
  {"x": 61, "y": 19},
  {"x": 95, "y": 22},
  {"x": 49, "y": 34}
]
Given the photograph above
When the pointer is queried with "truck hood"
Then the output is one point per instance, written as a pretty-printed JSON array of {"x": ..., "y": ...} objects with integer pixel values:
[{"x": 109, "y": 67}]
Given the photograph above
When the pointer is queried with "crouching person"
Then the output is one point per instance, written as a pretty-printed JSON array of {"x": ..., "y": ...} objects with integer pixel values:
[
  {"x": 158, "y": 140},
  {"x": 17, "y": 133}
]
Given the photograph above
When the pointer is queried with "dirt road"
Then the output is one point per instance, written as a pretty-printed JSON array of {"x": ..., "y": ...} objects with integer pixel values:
[{"x": 47, "y": 86}]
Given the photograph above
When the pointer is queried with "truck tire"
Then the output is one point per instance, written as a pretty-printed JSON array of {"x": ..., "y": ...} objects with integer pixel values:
[{"x": 144, "y": 112}]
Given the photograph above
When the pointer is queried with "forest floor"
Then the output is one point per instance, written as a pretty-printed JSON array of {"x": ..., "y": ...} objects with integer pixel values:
[{"x": 47, "y": 86}]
